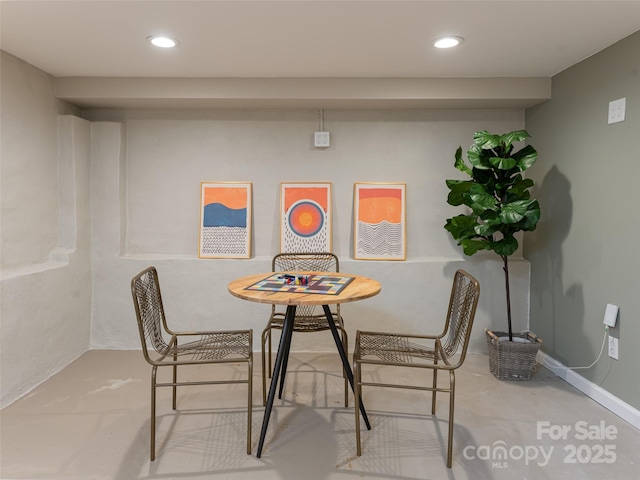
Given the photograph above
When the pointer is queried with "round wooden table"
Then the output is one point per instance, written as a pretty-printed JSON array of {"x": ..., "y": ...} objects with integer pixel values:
[{"x": 358, "y": 288}]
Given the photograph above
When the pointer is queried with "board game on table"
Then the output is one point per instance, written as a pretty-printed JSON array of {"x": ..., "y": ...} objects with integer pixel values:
[{"x": 320, "y": 284}]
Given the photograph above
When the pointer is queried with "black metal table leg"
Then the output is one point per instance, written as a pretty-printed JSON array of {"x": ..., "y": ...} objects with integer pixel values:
[
  {"x": 285, "y": 338},
  {"x": 345, "y": 360},
  {"x": 285, "y": 359}
]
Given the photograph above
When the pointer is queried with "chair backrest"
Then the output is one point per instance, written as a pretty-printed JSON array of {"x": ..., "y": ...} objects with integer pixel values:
[
  {"x": 147, "y": 301},
  {"x": 465, "y": 292},
  {"x": 306, "y": 262},
  {"x": 310, "y": 262}
]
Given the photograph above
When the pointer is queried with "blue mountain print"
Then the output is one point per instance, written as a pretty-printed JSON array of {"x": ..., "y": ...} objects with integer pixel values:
[{"x": 217, "y": 215}]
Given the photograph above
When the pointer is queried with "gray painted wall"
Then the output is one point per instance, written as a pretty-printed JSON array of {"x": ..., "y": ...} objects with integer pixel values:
[
  {"x": 583, "y": 254},
  {"x": 46, "y": 266},
  {"x": 146, "y": 172}
]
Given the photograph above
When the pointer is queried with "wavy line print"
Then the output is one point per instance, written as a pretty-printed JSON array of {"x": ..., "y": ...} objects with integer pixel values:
[{"x": 382, "y": 239}]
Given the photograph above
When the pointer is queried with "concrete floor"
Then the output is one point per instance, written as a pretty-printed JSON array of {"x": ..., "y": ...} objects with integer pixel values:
[{"x": 91, "y": 422}]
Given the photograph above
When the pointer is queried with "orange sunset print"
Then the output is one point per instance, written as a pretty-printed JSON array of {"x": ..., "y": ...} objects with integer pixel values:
[{"x": 379, "y": 229}]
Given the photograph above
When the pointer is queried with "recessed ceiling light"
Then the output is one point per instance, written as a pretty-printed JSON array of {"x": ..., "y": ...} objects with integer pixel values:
[
  {"x": 162, "y": 41},
  {"x": 447, "y": 42}
]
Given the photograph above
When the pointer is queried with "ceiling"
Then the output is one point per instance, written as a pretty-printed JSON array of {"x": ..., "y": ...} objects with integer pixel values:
[{"x": 311, "y": 38}]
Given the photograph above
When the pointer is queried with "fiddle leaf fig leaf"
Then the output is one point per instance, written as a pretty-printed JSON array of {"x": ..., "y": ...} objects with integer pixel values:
[
  {"x": 513, "y": 212},
  {"x": 461, "y": 226},
  {"x": 458, "y": 190},
  {"x": 507, "y": 182},
  {"x": 502, "y": 163},
  {"x": 478, "y": 159},
  {"x": 531, "y": 216},
  {"x": 520, "y": 186},
  {"x": 486, "y": 140},
  {"x": 505, "y": 246},
  {"x": 486, "y": 229},
  {"x": 481, "y": 198},
  {"x": 472, "y": 246},
  {"x": 490, "y": 216},
  {"x": 515, "y": 136},
  {"x": 460, "y": 163},
  {"x": 510, "y": 197},
  {"x": 484, "y": 177},
  {"x": 525, "y": 157}
]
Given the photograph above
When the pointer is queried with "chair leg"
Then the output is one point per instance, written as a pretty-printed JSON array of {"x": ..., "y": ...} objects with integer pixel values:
[
  {"x": 452, "y": 379},
  {"x": 152, "y": 422},
  {"x": 435, "y": 385},
  {"x": 266, "y": 333},
  {"x": 249, "y": 402},
  {"x": 175, "y": 380},
  {"x": 357, "y": 392},
  {"x": 270, "y": 359},
  {"x": 345, "y": 343}
]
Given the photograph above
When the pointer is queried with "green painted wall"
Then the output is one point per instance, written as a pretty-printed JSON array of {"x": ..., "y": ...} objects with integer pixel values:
[{"x": 584, "y": 253}]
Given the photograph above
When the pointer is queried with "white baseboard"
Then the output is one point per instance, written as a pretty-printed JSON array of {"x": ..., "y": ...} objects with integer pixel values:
[{"x": 593, "y": 391}]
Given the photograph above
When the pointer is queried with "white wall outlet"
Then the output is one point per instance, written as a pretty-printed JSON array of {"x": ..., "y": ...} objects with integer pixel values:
[
  {"x": 616, "y": 110},
  {"x": 321, "y": 139},
  {"x": 613, "y": 347},
  {"x": 611, "y": 315}
]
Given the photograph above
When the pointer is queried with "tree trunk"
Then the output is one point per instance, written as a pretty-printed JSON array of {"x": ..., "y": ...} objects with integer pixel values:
[{"x": 505, "y": 259}]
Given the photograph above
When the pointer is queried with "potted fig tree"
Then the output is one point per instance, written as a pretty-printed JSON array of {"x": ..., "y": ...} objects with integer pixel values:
[{"x": 499, "y": 205}]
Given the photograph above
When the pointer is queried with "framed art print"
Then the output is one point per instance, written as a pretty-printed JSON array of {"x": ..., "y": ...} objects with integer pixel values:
[
  {"x": 305, "y": 217},
  {"x": 225, "y": 220},
  {"x": 379, "y": 214}
]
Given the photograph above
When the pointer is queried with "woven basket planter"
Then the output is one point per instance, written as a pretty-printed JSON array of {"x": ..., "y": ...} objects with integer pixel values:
[{"x": 512, "y": 360}]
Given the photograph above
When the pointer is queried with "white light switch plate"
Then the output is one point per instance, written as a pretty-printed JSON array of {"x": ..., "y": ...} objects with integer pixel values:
[
  {"x": 617, "y": 110},
  {"x": 610, "y": 315}
]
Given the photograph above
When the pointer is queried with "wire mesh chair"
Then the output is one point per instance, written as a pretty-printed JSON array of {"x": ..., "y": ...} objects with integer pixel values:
[
  {"x": 307, "y": 319},
  {"x": 163, "y": 347},
  {"x": 422, "y": 351}
]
